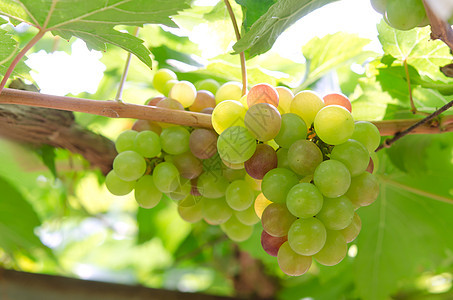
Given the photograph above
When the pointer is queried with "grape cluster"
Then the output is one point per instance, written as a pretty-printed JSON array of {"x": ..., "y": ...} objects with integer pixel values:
[
  {"x": 402, "y": 14},
  {"x": 300, "y": 163}
]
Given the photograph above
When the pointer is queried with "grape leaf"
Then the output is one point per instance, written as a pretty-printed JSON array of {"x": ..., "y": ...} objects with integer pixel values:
[
  {"x": 416, "y": 47},
  {"x": 252, "y": 10},
  {"x": 270, "y": 25},
  {"x": 8, "y": 50},
  {"x": 94, "y": 20}
]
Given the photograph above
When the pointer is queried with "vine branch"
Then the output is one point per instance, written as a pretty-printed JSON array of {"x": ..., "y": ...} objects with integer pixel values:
[{"x": 440, "y": 29}]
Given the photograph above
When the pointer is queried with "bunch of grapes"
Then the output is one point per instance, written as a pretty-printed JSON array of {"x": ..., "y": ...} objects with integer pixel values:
[
  {"x": 297, "y": 162},
  {"x": 402, "y": 14}
]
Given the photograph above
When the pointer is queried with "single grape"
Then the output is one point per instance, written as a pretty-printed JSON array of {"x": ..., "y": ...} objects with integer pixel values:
[
  {"x": 166, "y": 177},
  {"x": 262, "y": 93},
  {"x": 334, "y": 250},
  {"x": 277, "y": 183},
  {"x": 336, "y": 213},
  {"x": 207, "y": 84},
  {"x": 379, "y": 5},
  {"x": 303, "y": 157},
  {"x": 247, "y": 216},
  {"x": 291, "y": 263},
  {"x": 364, "y": 189},
  {"x": 203, "y": 143},
  {"x": 175, "y": 140},
  {"x": 353, "y": 155},
  {"x": 231, "y": 90},
  {"x": 332, "y": 178},
  {"x": 147, "y": 144},
  {"x": 239, "y": 195},
  {"x": 304, "y": 200},
  {"x": 282, "y": 158},
  {"x": 263, "y": 120},
  {"x": 227, "y": 114},
  {"x": 261, "y": 202},
  {"x": 215, "y": 211},
  {"x": 203, "y": 100},
  {"x": 334, "y": 124},
  {"x": 293, "y": 128},
  {"x": 125, "y": 141},
  {"x": 211, "y": 185},
  {"x": 307, "y": 236},
  {"x": 161, "y": 77},
  {"x": 181, "y": 192},
  {"x": 337, "y": 99},
  {"x": 243, "y": 101},
  {"x": 117, "y": 186},
  {"x": 285, "y": 96},
  {"x": 184, "y": 92},
  {"x": 306, "y": 104},
  {"x": 236, "y": 145},
  {"x": 398, "y": 16},
  {"x": 129, "y": 165},
  {"x": 235, "y": 230},
  {"x": 262, "y": 161},
  {"x": 368, "y": 134},
  {"x": 353, "y": 230},
  {"x": 276, "y": 219},
  {"x": 192, "y": 213},
  {"x": 146, "y": 193},
  {"x": 188, "y": 165},
  {"x": 271, "y": 244}
]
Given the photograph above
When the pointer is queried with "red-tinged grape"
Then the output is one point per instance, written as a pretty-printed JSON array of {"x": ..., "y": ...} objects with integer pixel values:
[
  {"x": 353, "y": 230},
  {"x": 129, "y": 165},
  {"x": 261, "y": 202},
  {"x": 263, "y": 120},
  {"x": 203, "y": 143},
  {"x": 277, "y": 183},
  {"x": 291, "y": 263},
  {"x": 285, "y": 96},
  {"x": 142, "y": 125},
  {"x": 271, "y": 244},
  {"x": 166, "y": 177},
  {"x": 332, "y": 178},
  {"x": 307, "y": 236},
  {"x": 175, "y": 140},
  {"x": 304, "y": 200},
  {"x": 334, "y": 124},
  {"x": 215, "y": 211},
  {"x": 293, "y": 128},
  {"x": 204, "y": 99},
  {"x": 194, "y": 191},
  {"x": 184, "y": 92},
  {"x": 247, "y": 216},
  {"x": 337, "y": 99},
  {"x": 146, "y": 193},
  {"x": 303, "y": 157},
  {"x": 125, "y": 141},
  {"x": 236, "y": 145},
  {"x": 231, "y": 90},
  {"x": 161, "y": 77},
  {"x": 207, "y": 84},
  {"x": 236, "y": 230},
  {"x": 336, "y": 213},
  {"x": 277, "y": 219},
  {"x": 239, "y": 195},
  {"x": 334, "y": 250},
  {"x": 364, "y": 189},
  {"x": 370, "y": 167},
  {"x": 207, "y": 110},
  {"x": 188, "y": 165},
  {"x": 262, "y": 161},
  {"x": 368, "y": 134},
  {"x": 117, "y": 186},
  {"x": 353, "y": 155},
  {"x": 153, "y": 101},
  {"x": 262, "y": 93},
  {"x": 306, "y": 104}
]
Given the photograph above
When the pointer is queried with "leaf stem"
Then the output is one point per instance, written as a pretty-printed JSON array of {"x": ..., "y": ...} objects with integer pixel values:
[
  {"x": 119, "y": 93},
  {"x": 241, "y": 54},
  {"x": 406, "y": 69},
  {"x": 19, "y": 56}
]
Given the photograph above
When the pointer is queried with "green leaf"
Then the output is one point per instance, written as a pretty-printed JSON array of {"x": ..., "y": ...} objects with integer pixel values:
[
  {"x": 48, "y": 155},
  {"x": 417, "y": 47},
  {"x": 269, "y": 26},
  {"x": 8, "y": 51},
  {"x": 253, "y": 10},
  {"x": 94, "y": 20}
]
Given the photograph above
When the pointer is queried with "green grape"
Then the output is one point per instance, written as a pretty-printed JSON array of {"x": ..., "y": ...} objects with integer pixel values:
[
  {"x": 334, "y": 124},
  {"x": 168, "y": 86},
  {"x": 231, "y": 90},
  {"x": 255, "y": 184},
  {"x": 285, "y": 96},
  {"x": 211, "y": 185},
  {"x": 117, "y": 186},
  {"x": 236, "y": 145},
  {"x": 367, "y": 134},
  {"x": 213, "y": 165},
  {"x": 353, "y": 230},
  {"x": 334, "y": 250},
  {"x": 353, "y": 155},
  {"x": 166, "y": 177},
  {"x": 276, "y": 219},
  {"x": 282, "y": 158},
  {"x": 332, "y": 178},
  {"x": 227, "y": 114},
  {"x": 147, "y": 144},
  {"x": 215, "y": 211},
  {"x": 235, "y": 166},
  {"x": 303, "y": 157},
  {"x": 277, "y": 183},
  {"x": 263, "y": 120},
  {"x": 239, "y": 195},
  {"x": 188, "y": 165},
  {"x": 247, "y": 216},
  {"x": 125, "y": 141},
  {"x": 208, "y": 85},
  {"x": 243, "y": 101},
  {"x": 181, "y": 192},
  {"x": 262, "y": 93},
  {"x": 293, "y": 128},
  {"x": 184, "y": 92},
  {"x": 146, "y": 193},
  {"x": 364, "y": 189},
  {"x": 398, "y": 16},
  {"x": 307, "y": 236},
  {"x": 129, "y": 165},
  {"x": 379, "y": 5},
  {"x": 336, "y": 213},
  {"x": 306, "y": 104},
  {"x": 235, "y": 230},
  {"x": 175, "y": 140},
  {"x": 304, "y": 200},
  {"x": 192, "y": 213},
  {"x": 204, "y": 99},
  {"x": 161, "y": 77},
  {"x": 232, "y": 174},
  {"x": 291, "y": 263}
]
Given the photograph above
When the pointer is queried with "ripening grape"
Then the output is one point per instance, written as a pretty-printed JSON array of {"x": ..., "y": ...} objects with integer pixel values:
[
  {"x": 203, "y": 143},
  {"x": 262, "y": 161},
  {"x": 231, "y": 90},
  {"x": 125, "y": 141},
  {"x": 153, "y": 101},
  {"x": 303, "y": 157},
  {"x": 271, "y": 244},
  {"x": 304, "y": 200},
  {"x": 215, "y": 211},
  {"x": 276, "y": 219},
  {"x": 166, "y": 177},
  {"x": 129, "y": 165},
  {"x": 277, "y": 183},
  {"x": 236, "y": 145},
  {"x": 207, "y": 84},
  {"x": 117, "y": 186},
  {"x": 334, "y": 124},
  {"x": 398, "y": 16},
  {"x": 285, "y": 96},
  {"x": 306, "y": 104},
  {"x": 336, "y": 213},
  {"x": 332, "y": 178},
  {"x": 239, "y": 195},
  {"x": 184, "y": 92},
  {"x": 263, "y": 120},
  {"x": 146, "y": 193},
  {"x": 226, "y": 114},
  {"x": 188, "y": 165},
  {"x": 204, "y": 99},
  {"x": 337, "y": 99},
  {"x": 307, "y": 236},
  {"x": 334, "y": 250},
  {"x": 293, "y": 128},
  {"x": 291, "y": 263},
  {"x": 143, "y": 125},
  {"x": 175, "y": 140},
  {"x": 247, "y": 216},
  {"x": 353, "y": 155},
  {"x": 161, "y": 77},
  {"x": 236, "y": 230},
  {"x": 211, "y": 185},
  {"x": 368, "y": 134},
  {"x": 364, "y": 189},
  {"x": 147, "y": 143},
  {"x": 261, "y": 202},
  {"x": 353, "y": 229},
  {"x": 262, "y": 93}
]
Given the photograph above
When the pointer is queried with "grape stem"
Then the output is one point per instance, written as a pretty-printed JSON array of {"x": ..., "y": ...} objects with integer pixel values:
[
  {"x": 440, "y": 29},
  {"x": 119, "y": 93},
  {"x": 241, "y": 54}
]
